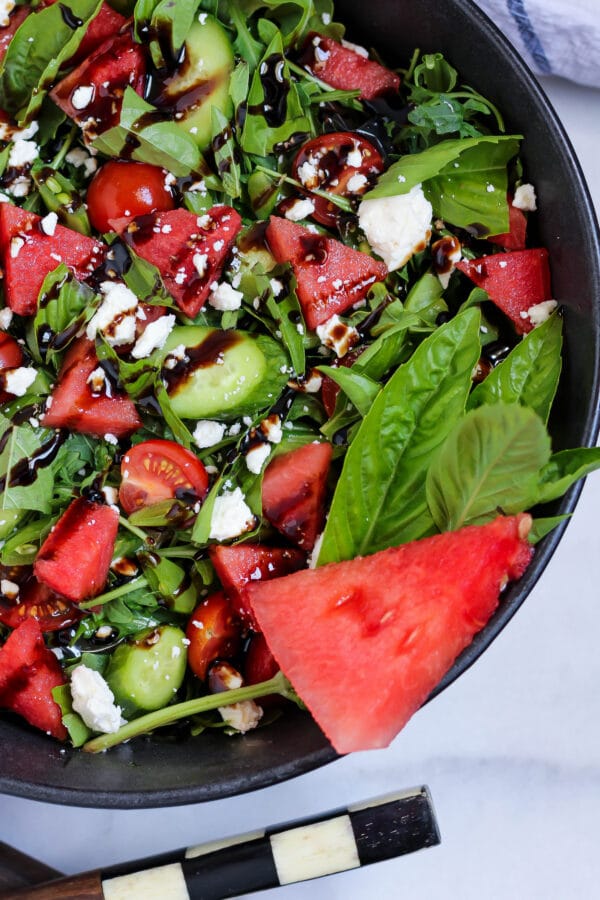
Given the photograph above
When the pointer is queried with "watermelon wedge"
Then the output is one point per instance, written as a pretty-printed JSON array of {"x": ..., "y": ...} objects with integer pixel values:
[
  {"x": 344, "y": 68},
  {"x": 331, "y": 277},
  {"x": 389, "y": 626}
]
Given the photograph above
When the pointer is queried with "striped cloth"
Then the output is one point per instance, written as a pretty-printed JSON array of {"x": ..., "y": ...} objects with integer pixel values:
[{"x": 555, "y": 38}]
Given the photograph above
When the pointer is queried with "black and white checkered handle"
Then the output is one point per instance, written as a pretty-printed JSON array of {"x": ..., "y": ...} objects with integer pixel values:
[{"x": 310, "y": 848}]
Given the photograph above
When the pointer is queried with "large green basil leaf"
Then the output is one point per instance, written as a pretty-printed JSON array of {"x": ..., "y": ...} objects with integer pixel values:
[
  {"x": 380, "y": 500},
  {"x": 465, "y": 180},
  {"x": 564, "y": 469},
  {"x": 489, "y": 463},
  {"x": 41, "y": 44},
  {"x": 19, "y": 445},
  {"x": 156, "y": 140},
  {"x": 260, "y": 137},
  {"x": 529, "y": 374}
]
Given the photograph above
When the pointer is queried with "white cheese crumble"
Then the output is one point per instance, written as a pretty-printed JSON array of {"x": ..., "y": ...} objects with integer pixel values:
[
  {"x": 314, "y": 554},
  {"x": 9, "y": 589},
  {"x": 15, "y": 246},
  {"x": 225, "y": 298},
  {"x": 116, "y": 316},
  {"x": 308, "y": 174},
  {"x": 271, "y": 428},
  {"x": 256, "y": 458},
  {"x": 356, "y": 48},
  {"x": 18, "y": 381},
  {"x": 300, "y": 209},
  {"x": 94, "y": 700},
  {"x": 153, "y": 337},
  {"x": 354, "y": 158},
  {"x": 208, "y": 433},
  {"x": 242, "y": 716},
  {"x": 97, "y": 380},
  {"x": 6, "y": 7},
  {"x": 231, "y": 516},
  {"x": 397, "y": 227},
  {"x": 356, "y": 183},
  {"x": 199, "y": 260},
  {"x": 540, "y": 312},
  {"x": 336, "y": 334},
  {"x": 525, "y": 198},
  {"x": 22, "y": 153},
  {"x": 79, "y": 157},
  {"x": 276, "y": 286},
  {"x": 48, "y": 223},
  {"x": 82, "y": 96},
  {"x": 6, "y": 316}
]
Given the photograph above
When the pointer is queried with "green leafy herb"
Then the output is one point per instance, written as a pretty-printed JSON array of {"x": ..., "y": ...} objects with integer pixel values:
[
  {"x": 226, "y": 154},
  {"x": 19, "y": 444},
  {"x": 65, "y": 306},
  {"x": 564, "y": 469}
]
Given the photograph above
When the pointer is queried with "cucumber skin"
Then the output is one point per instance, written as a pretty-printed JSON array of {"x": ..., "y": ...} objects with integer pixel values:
[
  {"x": 138, "y": 687},
  {"x": 209, "y": 45}
]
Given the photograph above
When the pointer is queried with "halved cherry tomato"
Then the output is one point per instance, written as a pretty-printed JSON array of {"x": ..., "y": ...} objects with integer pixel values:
[
  {"x": 214, "y": 632},
  {"x": 342, "y": 163},
  {"x": 160, "y": 470},
  {"x": 11, "y": 357},
  {"x": 37, "y": 601},
  {"x": 121, "y": 190}
]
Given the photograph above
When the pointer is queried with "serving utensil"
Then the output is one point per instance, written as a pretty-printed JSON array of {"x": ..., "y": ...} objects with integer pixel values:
[{"x": 336, "y": 841}]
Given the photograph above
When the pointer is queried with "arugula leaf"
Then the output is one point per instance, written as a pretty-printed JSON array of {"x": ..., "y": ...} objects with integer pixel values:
[
  {"x": 359, "y": 389},
  {"x": 291, "y": 16},
  {"x": 260, "y": 137},
  {"x": 171, "y": 22},
  {"x": 245, "y": 45},
  {"x": 64, "y": 308},
  {"x": 288, "y": 319},
  {"x": 23, "y": 547},
  {"x": 465, "y": 180},
  {"x": 564, "y": 469},
  {"x": 40, "y": 46},
  {"x": 157, "y": 140},
  {"x": 226, "y": 154},
  {"x": 529, "y": 374},
  {"x": 19, "y": 444},
  {"x": 489, "y": 463},
  {"x": 380, "y": 500}
]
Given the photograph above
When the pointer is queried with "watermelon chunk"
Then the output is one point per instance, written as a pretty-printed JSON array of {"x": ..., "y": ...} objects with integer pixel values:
[
  {"x": 105, "y": 24},
  {"x": 389, "y": 625},
  {"x": 293, "y": 493},
  {"x": 345, "y": 69},
  {"x": 92, "y": 93},
  {"x": 73, "y": 403},
  {"x": 28, "y": 673},
  {"x": 516, "y": 236},
  {"x": 75, "y": 557},
  {"x": 515, "y": 281},
  {"x": 28, "y": 254},
  {"x": 331, "y": 277},
  {"x": 189, "y": 251},
  {"x": 239, "y": 564}
]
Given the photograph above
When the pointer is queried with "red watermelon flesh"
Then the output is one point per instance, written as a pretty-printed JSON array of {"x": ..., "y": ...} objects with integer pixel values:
[
  {"x": 28, "y": 673},
  {"x": 515, "y": 281},
  {"x": 389, "y": 625},
  {"x": 188, "y": 250},
  {"x": 293, "y": 493},
  {"x": 75, "y": 557},
  {"x": 103, "y": 26},
  {"x": 345, "y": 69},
  {"x": 516, "y": 236},
  {"x": 73, "y": 403},
  {"x": 116, "y": 64},
  {"x": 28, "y": 254},
  {"x": 240, "y": 564},
  {"x": 331, "y": 277}
]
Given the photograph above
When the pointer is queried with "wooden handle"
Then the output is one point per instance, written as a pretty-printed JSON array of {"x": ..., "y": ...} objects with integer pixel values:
[
  {"x": 18, "y": 870},
  {"x": 333, "y": 842}
]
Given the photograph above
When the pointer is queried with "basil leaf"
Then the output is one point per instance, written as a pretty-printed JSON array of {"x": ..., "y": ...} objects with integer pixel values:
[
  {"x": 359, "y": 389},
  {"x": 425, "y": 299},
  {"x": 465, "y": 180},
  {"x": 541, "y": 527},
  {"x": 64, "y": 308},
  {"x": 23, "y": 547},
  {"x": 292, "y": 16},
  {"x": 529, "y": 374},
  {"x": 380, "y": 499},
  {"x": 489, "y": 463},
  {"x": 180, "y": 431},
  {"x": 171, "y": 22},
  {"x": 260, "y": 137},
  {"x": 226, "y": 154},
  {"x": 564, "y": 469},
  {"x": 79, "y": 733},
  {"x": 156, "y": 141},
  {"x": 19, "y": 444},
  {"x": 287, "y": 316},
  {"x": 39, "y": 47}
]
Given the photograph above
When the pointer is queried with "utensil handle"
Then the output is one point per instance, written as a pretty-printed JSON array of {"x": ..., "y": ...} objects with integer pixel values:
[
  {"x": 284, "y": 854},
  {"x": 17, "y": 869}
]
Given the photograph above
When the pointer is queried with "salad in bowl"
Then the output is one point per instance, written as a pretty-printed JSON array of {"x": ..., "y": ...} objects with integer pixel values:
[{"x": 279, "y": 348}]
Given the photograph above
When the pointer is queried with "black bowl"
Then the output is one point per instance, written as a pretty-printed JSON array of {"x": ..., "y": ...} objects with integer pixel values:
[{"x": 155, "y": 772}]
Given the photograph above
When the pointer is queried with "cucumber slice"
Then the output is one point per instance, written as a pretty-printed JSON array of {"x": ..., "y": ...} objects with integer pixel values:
[
  {"x": 145, "y": 674},
  {"x": 224, "y": 373},
  {"x": 202, "y": 80}
]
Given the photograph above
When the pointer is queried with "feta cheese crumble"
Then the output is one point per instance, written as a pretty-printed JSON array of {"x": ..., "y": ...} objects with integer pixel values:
[
  {"x": 397, "y": 227},
  {"x": 308, "y": 174},
  {"x": 336, "y": 334},
  {"x": 116, "y": 316},
  {"x": 79, "y": 157},
  {"x": 225, "y": 298},
  {"x": 153, "y": 337},
  {"x": 6, "y": 7},
  {"x": 356, "y": 48},
  {"x": 231, "y": 516},
  {"x": 208, "y": 433},
  {"x": 525, "y": 198},
  {"x": 356, "y": 183},
  {"x": 48, "y": 223},
  {"x": 82, "y": 96},
  {"x": 94, "y": 700},
  {"x": 22, "y": 153},
  {"x": 540, "y": 312},
  {"x": 6, "y": 316},
  {"x": 354, "y": 158},
  {"x": 300, "y": 209},
  {"x": 18, "y": 381},
  {"x": 256, "y": 458}
]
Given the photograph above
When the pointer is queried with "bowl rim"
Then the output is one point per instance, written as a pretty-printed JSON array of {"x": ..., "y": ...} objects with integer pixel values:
[{"x": 40, "y": 790}]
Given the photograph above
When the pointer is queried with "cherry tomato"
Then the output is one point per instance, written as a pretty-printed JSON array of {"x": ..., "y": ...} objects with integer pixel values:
[
  {"x": 343, "y": 163},
  {"x": 260, "y": 665},
  {"x": 120, "y": 191},
  {"x": 11, "y": 357},
  {"x": 36, "y": 601},
  {"x": 214, "y": 632},
  {"x": 160, "y": 470}
]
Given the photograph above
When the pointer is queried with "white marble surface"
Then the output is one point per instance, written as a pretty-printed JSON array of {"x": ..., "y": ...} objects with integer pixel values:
[{"x": 511, "y": 751}]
